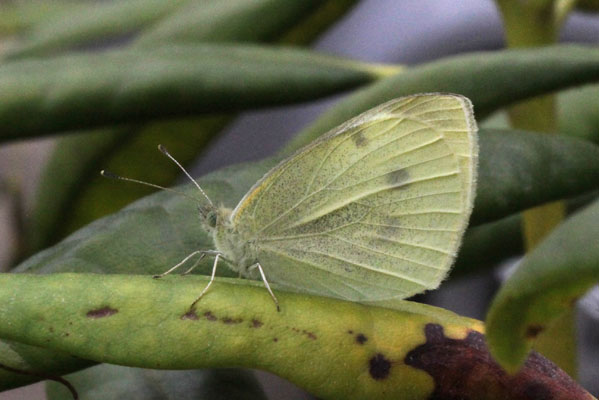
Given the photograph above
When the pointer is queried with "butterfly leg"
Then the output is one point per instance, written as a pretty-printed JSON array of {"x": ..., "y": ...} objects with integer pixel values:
[
  {"x": 257, "y": 265},
  {"x": 209, "y": 283},
  {"x": 202, "y": 255}
]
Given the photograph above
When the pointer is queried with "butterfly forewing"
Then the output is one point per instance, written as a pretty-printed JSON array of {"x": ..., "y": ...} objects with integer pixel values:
[{"x": 373, "y": 210}]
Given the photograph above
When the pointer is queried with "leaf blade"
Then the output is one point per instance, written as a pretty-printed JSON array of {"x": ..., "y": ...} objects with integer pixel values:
[
  {"x": 131, "y": 86},
  {"x": 562, "y": 268},
  {"x": 547, "y": 69}
]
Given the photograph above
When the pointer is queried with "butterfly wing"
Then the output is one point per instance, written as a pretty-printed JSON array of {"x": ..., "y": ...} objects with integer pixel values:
[{"x": 373, "y": 210}]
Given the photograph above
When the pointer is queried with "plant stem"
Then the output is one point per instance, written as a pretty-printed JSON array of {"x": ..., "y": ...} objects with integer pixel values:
[{"x": 530, "y": 24}]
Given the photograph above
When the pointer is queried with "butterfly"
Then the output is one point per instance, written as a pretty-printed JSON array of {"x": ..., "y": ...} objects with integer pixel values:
[{"x": 372, "y": 211}]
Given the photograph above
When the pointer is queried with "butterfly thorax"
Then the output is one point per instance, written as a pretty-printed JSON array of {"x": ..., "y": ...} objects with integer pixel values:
[{"x": 240, "y": 253}]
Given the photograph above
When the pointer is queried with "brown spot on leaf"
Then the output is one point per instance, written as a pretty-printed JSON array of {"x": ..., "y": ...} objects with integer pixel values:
[
  {"x": 361, "y": 338},
  {"x": 275, "y": 339},
  {"x": 350, "y": 332},
  {"x": 190, "y": 315},
  {"x": 464, "y": 369},
  {"x": 230, "y": 321},
  {"x": 309, "y": 334},
  {"x": 209, "y": 316},
  {"x": 102, "y": 312},
  {"x": 379, "y": 367},
  {"x": 256, "y": 323},
  {"x": 533, "y": 331}
]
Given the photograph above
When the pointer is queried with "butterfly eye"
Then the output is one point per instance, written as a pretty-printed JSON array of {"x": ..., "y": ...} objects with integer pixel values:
[
  {"x": 208, "y": 216},
  {"x": 211, "y": 219}
]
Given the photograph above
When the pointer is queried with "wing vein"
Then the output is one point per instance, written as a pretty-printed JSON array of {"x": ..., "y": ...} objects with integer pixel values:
[
  {"x": 399, "y": 242},
  {"x": 386, "y": 254},
  {"x": 365, "y": 266}
]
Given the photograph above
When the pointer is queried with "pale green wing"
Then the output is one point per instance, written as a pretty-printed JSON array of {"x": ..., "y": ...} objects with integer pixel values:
[{"x": 375, "y": 209}]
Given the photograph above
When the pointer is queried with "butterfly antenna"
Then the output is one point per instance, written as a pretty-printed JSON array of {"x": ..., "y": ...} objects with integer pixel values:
[
  {"x": 166, "y": 153},
  {"x": 108, "y": 174}
]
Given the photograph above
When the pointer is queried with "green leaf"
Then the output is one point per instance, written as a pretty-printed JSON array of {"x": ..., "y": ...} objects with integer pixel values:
[
  {"x": 311, "y": 26},
  {"x": 205, "y": 21},
  {"x": 65, "y": 202},
  {"x": 20, "y": 15},
  {"x": 165, "y": 21},
  {"x": 547, "y": 283},
  {"x": 96, "y": 309},
  {"x": 488, "y": 244},
  {"x": 515, "y": 167},
  {"x": 87, "y": 23},
  {"x": 34, "y": 363},
  {"x": 128, "y": 86},
  {"x": 169, "y": 224},
  {"x": 492, "y": 80},
  {"x": 112, "y": 382},
  {"x": 385, "y": 353},
  {"x": 578, "y": 112},
  {"x": 482, "y": 249}
]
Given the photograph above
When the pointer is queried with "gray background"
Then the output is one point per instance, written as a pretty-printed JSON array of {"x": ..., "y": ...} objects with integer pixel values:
[{"x": 385, "y": 31}]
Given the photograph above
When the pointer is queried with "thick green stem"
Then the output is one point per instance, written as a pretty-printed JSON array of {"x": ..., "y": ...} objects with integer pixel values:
[
  {"x": 531, "y": 24},
  {"x": 332, "y": 348}
]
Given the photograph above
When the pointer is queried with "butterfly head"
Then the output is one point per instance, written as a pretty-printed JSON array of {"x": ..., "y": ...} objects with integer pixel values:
[
  {"x": 213, "y": 217},
  {"x": 209, "y": 216}
]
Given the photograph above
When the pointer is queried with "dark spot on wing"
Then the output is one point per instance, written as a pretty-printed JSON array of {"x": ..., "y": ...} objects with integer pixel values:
[
  {"x": 359, "y": 139},
  {"x": 464, "y": 369},
  {"x": 209, "y": 316},
  {"x": 398, "y": 178},
  {"x": 190, "y": 315},
  {"x": 256, "y": 323},
  {"x": 390, "y": 227},
  {"x": 361, "y": 338},
  {"x": 532, "y": 331},
  {"x": 101, "y": 312},
  {"x": 379, "y": 367}
]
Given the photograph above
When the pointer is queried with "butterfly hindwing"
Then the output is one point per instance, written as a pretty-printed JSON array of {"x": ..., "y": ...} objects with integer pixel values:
[{"x": 373, "y": 210}]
